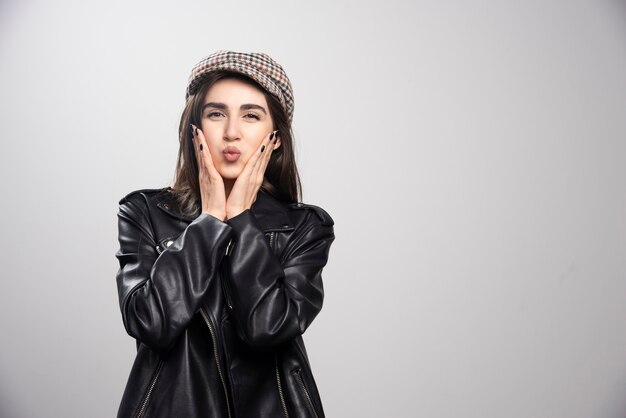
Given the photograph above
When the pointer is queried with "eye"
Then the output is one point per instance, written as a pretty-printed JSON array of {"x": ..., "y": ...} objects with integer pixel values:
[
  {"x": 213, "y": 113},
  {"x": 252, "y": 115}
]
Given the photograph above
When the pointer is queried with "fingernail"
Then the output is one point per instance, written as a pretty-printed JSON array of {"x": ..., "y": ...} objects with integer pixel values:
[
  {"x": 196, "y": 131},
  {"x": 262, "y": 148},
  {"x": 200, "y": 147},
  {"x": 276, "y": 137},
  {"x": 272, "y": 135}
]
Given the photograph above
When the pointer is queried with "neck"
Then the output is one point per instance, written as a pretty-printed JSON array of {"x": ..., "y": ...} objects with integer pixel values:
[{"x": 228, "y": 186}]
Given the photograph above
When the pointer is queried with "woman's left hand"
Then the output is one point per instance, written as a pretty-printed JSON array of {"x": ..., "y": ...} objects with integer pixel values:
[{"x": 247, "y": 185}]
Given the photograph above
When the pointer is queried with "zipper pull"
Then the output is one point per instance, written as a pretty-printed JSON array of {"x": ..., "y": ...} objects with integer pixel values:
[
  {"x": 228, "y": 247},
  {"x": 272, "y": 239}
]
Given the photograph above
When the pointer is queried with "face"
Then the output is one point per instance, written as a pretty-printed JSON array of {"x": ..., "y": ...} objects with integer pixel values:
[{"x": 235, "y": 119}]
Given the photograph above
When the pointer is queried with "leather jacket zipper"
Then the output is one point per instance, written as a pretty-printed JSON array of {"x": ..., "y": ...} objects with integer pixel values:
[
  {"x": 272, "y": 239},
  {"x": 280, "y": 388},
  {"x": 150, "y": 388},
  {"x": 228, "y": 247},
  {"x": 300, "y": 379},
  {"x": 224, "y": 277},
  {"x": 205, "y": 316}
]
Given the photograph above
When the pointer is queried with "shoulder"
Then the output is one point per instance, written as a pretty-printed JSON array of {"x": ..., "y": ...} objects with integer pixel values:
[
  {"x": 142, "y": 194},
  {"x": 306, "y": 208}
]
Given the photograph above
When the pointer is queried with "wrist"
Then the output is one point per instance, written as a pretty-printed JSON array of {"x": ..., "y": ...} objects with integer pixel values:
[
  {"x": 231, "y": 213},
  {"x": 216, "y": 214}
]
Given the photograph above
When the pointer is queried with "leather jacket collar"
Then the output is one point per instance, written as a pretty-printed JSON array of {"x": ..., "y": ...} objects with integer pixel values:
[{"x": 270, "y": 213}]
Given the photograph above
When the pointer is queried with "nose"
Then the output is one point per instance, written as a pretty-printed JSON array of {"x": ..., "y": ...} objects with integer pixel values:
[{"x": 232, "y": 131}]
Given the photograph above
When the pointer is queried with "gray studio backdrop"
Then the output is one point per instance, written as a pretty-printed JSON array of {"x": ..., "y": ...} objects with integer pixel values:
[{"x": 472, "y": 155}]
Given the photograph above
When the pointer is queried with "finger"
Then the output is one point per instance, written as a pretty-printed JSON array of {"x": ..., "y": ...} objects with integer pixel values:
[
  {"x": 251, "y": 165},
  {"x": 262, "y": 166},
  {"x": 205, "y": 154},
  {"x": 256, "y": 176},
  {"x": 263, "y": 160},
  {"x": 196, "y": 149}
]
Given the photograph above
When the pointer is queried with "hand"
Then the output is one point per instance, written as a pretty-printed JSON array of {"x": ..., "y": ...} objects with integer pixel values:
[
  {"x": 247, "y": 185},
  {"x": 212, "y": 190}
]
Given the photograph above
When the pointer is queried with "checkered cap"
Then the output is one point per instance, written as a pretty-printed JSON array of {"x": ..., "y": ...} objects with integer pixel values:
[{"x": 259, "y": 66}]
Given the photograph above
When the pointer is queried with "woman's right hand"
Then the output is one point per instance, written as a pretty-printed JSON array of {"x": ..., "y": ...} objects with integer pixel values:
[{"x": 212, "y": 190}]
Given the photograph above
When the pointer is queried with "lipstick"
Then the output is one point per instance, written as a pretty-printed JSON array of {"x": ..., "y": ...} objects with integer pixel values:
[{"x": 231, "y": 153}]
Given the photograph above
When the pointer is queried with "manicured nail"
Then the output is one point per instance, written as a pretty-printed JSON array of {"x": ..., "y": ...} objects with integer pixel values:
[
  {"x": 262, "y": 148},
  {"x": 272, "y": 135},
  {"x": 276, "y": 137},
  {"x": 200, "y": 147}
]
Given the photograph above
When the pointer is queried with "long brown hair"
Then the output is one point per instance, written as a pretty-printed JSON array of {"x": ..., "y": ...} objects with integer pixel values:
[{"x": 281, "y": 175}]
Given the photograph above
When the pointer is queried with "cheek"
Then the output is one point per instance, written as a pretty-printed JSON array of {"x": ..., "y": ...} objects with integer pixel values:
[
  {"x": 216, "y": 155},
  {"x": 256, "y": 142},
  {"x": 260, "y": 137},
  {"x": 214, "y": 149}
]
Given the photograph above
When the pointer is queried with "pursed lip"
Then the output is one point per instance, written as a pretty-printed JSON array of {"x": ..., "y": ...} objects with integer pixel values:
[
  {"x": 231, "y": 153},
  {"x": 231, "y": 150}
]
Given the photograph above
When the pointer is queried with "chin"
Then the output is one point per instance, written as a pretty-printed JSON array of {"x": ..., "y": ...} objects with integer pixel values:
[{"x": 230, "y": 173}]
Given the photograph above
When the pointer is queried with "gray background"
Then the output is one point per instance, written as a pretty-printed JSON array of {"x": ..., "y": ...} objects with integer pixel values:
[{"x": 472, "y": 155}]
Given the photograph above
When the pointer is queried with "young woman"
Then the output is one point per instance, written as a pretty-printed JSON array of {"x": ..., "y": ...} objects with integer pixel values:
[{"x": 220, "y": 274}]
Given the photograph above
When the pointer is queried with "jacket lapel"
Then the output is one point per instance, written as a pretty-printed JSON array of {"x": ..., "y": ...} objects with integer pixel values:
[{"x": 271, "y": 214}]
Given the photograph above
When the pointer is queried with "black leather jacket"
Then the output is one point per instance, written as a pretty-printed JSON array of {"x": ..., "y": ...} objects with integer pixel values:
[{"x": 218, "y": 308}]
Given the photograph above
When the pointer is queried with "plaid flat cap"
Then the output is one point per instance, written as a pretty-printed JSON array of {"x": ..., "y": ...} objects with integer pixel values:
[{"x": 259, "y": 66}]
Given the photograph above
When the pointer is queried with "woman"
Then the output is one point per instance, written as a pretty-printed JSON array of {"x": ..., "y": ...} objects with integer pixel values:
[{"x": 220, "y": 275}]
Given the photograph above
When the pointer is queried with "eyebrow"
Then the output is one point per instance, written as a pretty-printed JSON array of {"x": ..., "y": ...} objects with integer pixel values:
[{"x": 246, "y": 106}]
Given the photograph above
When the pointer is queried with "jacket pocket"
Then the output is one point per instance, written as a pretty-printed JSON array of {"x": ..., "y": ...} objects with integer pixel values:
[
  {"x": 306, "y": 394},
  {"x": 149, "y": 389}
]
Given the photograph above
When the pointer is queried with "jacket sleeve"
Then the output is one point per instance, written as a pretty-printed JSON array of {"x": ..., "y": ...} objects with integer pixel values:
[
  {"x": 274, "y": 299},
  {"x": 160, "y": 293}
]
